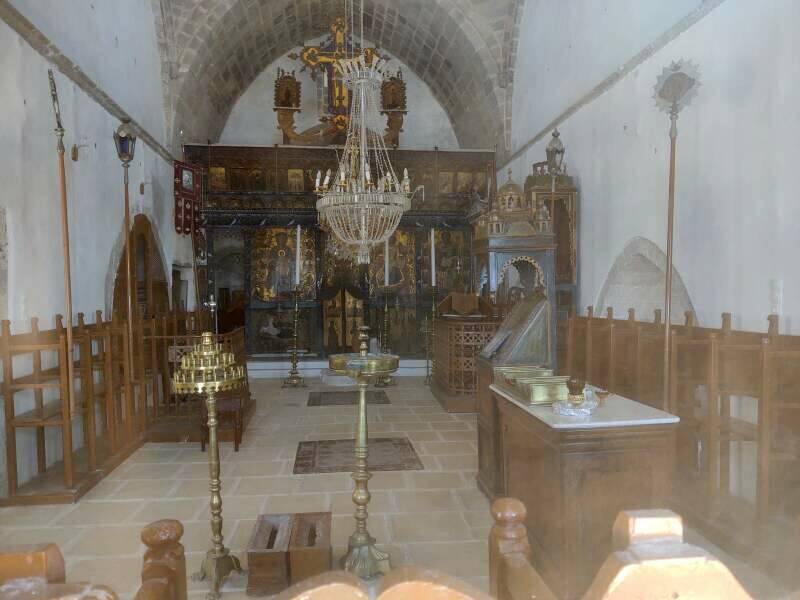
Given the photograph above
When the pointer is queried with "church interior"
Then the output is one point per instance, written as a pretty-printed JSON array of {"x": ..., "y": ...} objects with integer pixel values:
[{"x": 453, "y": 299}]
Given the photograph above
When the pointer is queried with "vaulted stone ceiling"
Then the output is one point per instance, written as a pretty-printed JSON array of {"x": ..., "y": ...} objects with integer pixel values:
[{"x": 213, "y": 49}]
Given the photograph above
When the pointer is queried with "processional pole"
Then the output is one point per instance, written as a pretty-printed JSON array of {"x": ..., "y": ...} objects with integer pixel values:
[
  {"x": 62, "y": 181},
  {"x": 674, "y": 89}
]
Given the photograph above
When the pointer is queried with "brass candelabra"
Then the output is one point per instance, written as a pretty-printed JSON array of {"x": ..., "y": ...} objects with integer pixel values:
[
  {"x": 430, "y": 330},
  {"x": 209, "y": 370},
  {"x": 385, "y": 380},
  {"x": 294, "y": 379},
  {"x": 363, "y": 559}
]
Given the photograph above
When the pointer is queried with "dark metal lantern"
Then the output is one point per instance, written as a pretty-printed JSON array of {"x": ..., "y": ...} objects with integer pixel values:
[{"x": 125, "y": 141}]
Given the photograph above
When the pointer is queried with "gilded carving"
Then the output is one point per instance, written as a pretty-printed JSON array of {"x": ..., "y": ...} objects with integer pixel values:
[{"x": 273, "y": 264}]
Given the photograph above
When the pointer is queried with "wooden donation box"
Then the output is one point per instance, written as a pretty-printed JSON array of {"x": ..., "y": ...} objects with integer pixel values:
[
  {"x": 465, "y": 325},
  {"x": 522, "y": 344},
  {"x": 285, "y": 549},
  {"x": 575, "y": 474}
]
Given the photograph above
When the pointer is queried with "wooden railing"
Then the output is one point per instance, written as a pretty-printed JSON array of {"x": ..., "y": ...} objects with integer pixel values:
[{"x": 734, "y": 391}]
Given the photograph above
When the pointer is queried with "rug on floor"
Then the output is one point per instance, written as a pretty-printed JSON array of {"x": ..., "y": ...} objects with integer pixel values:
[
  {"x": 344, "y": 397},
  {"x": 336, "y": 456}
]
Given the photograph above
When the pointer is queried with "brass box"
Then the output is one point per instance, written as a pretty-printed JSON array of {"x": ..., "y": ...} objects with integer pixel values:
[{"x": 543, "y": 390}]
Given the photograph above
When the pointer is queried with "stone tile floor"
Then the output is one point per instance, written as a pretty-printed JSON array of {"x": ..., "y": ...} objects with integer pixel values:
[{"x": 436, "y": 517}]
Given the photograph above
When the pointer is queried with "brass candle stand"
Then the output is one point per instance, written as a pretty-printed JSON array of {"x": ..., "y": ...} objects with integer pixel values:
[
  {"x": 385, "y": 380},
  {"x": 294, "y": 379},
  {"x": 363, "y": 559},
  {"x": 430, "y": 363},
  {"x": 209, "y": 370}
]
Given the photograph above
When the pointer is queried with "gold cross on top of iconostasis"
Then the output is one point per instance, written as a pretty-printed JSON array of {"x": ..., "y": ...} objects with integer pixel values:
[{"x": 322, "y": 58}]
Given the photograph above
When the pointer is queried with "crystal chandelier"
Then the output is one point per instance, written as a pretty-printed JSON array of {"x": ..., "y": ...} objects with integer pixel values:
[{"x": 365, "y": 200}]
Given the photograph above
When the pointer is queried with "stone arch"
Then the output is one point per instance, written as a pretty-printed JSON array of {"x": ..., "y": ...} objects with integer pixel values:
[
  {"x": 442, "y": 42},
  {"x": 636, "y": 280}
]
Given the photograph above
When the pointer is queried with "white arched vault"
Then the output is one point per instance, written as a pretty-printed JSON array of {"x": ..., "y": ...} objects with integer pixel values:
[{"x": 637, "y": 280}]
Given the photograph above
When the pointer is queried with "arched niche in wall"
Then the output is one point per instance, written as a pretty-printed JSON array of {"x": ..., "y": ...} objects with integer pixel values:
[
  {"x": 637, "y": 279},
  {"x": 150, "y": 279},
  {"x": 520, "y": 278}
]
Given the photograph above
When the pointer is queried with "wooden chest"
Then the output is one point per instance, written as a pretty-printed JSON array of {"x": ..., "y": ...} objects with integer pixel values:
[
  {"x": 268, "y": 555},
  {"x": 287, "y": 548},
  {"x": 310, "y": 550}
]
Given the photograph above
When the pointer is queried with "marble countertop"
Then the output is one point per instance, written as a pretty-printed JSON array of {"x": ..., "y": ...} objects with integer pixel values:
[{"x": 617, "y": 411}]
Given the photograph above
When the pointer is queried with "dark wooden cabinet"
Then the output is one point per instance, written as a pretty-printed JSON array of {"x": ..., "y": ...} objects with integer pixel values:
[
  {"x": 574, "y": 482},
  {"x": 490, "y": 477}
]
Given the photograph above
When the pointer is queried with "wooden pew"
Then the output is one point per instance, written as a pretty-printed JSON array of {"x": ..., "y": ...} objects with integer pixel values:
[
  {"x": 37, "y": 572},
  {"x": 716, "y": 373},
  {"x": 650, "y": 560}
]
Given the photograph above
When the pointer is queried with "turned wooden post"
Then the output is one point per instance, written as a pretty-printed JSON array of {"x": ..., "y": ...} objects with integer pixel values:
[
  {"x": 588, "y": 366},
  {"x": 570, "y": 343},
  {"x": 774, "y": 327},
  {"x": 610, "y": 379},
  {"x": 712, "y": 424},
  {"x": 669, "y": 404},
  {"x": 164, "y": 568},
  {"x": 43, "y": 561},
  {"x": 764, "y": 433},
  {"x": 508, "y": 536},
  {"x": 689, "y": 321},
  {"x": 726, "y": 324}
]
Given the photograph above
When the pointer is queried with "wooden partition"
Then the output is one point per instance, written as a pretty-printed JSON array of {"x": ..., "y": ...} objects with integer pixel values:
[
  {"x": 116, "y": 401},
  {"x": 737, "y": 394}
]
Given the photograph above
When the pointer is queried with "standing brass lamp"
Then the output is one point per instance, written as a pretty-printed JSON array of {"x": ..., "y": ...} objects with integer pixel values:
[
  {"x": 385, "y": 380},
  {"x": 208, "y": 370},
  {"x": 363, "y": 559},
  {"x": 294, "y": 379},
  {"x": 430, "y": 331}
]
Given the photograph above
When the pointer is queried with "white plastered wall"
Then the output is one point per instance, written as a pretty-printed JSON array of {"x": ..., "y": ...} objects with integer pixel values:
[
  {"x": 737, "y": 210},
  {"x": 28, "y": 172}
]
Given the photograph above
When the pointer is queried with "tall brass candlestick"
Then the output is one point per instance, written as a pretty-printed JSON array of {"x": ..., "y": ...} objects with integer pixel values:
[
  {"x": 207, "y": 369},
  {"x": 386, "y": 380},
  {"x": 431, "y": 372},
  {"x": 294, "y": 379},
  {"x": 363, "y": 559}
]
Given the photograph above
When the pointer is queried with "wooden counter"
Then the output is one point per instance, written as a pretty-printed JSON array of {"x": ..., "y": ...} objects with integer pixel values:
[{"x": 575, "y": 474}]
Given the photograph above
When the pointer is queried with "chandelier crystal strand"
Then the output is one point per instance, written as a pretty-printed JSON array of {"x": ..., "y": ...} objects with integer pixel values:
[{"x": 364, "y": 201}]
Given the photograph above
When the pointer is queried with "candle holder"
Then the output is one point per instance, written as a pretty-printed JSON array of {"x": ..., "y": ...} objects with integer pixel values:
[
  {"x": 430, "y": 363},
  {"x": 363, "y": 559},
  {"x": 385, "y": 380},
  {"x": 294, "y": 379},
  {"x": 208, "y": 369}
]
